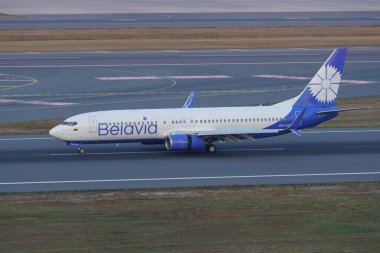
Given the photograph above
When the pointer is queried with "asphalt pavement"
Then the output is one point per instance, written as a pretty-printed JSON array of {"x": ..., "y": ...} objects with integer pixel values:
[
  {"x": 39, "y": 163},
  {"x": 152, "y": 20},
  {"x": 59, "y": 85}
]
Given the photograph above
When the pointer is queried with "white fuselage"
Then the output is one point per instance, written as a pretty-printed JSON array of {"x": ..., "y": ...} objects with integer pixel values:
[{"x": 137, "y": 125}]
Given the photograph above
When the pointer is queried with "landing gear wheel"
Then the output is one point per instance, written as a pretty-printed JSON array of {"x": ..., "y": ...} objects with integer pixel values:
[
  {"x": 210, "y": 148},
  {"x": 81, "y": 150}
]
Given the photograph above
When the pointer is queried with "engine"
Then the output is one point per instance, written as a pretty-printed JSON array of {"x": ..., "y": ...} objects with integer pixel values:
[{"x": 180, "y": 142}]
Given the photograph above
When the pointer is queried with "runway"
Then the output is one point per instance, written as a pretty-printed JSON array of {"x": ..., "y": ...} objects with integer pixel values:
[
  {"x": 39, "y": 163},
  {"x": 59, "y": 85},
  {"x": 149, "y": 20}
]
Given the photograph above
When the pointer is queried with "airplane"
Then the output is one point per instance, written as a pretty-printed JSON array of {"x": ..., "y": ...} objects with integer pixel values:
[{"x": 191, "y": 129}]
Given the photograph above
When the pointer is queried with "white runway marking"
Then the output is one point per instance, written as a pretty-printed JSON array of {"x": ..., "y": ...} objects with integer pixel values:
[
  {"x": 303, "y": 132},
  {"x": 309, "y": 78},
  {"x": 192, "y": 178},
  {"x": 165, "y": 151},
  {"x": 173, "y": 64},
  {"x": 26, "y": 139},
  {"x": 34, "y": 102},
  {"x": 297, "y": 18},
  {"x": 113, "y": 78},
  {"x": 240, "y": 55},
  {"x": 342, "y": 131},
  {"x": 39, "y": 58}
]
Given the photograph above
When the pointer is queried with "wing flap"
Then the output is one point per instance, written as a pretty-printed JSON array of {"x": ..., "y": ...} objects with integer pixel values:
[{"x": 236, "y": 132}]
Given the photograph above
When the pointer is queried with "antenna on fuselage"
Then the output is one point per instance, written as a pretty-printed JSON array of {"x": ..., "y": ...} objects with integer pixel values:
[{"x": 289, "y": 89}]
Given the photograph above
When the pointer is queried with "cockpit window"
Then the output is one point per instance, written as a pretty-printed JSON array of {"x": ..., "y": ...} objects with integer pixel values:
[{"x": 69, "y": 123}]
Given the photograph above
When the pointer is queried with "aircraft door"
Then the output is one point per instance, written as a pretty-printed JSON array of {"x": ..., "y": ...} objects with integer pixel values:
[{"x": 93, "y": 127}]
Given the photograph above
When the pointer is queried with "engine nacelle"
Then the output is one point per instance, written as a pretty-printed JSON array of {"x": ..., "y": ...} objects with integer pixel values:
[{"x": 181, "y": 142}]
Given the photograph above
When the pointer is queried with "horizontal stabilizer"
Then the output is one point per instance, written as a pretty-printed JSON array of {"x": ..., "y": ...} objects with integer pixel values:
[{"x": 340, "y": 110}]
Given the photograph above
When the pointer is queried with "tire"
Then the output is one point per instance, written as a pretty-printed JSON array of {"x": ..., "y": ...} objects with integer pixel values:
[
  {"x": 210, "y": 148},
  {"x": 81, "y": 150}
]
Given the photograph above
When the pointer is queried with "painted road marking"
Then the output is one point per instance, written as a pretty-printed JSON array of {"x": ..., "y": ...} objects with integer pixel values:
[
  {"x": 27, "y": 139},
  {"x": 304, "y": 132},
  {"x": 342, "y": 131},
  {"x": 112, "y": 78},
  {"x": 192, "y": 178},
  {"x": 245, "y": 55},
  {"x": 35, "y": 102},
  {"x": 39, "y": 58},
  {"x": 165, "y": 151},
  {"x": 174, "y": 64},
  {"x": 309, "y": 78},
  {"x": 297, "y": 18}
]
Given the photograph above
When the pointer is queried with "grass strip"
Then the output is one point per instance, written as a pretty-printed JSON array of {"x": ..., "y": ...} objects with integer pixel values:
[
  {"x": 5, "y": 15},
  {"x": 297, "y": 218},
  {"x": 363, "y": 118},
  {"x": 185, "y": 38}
]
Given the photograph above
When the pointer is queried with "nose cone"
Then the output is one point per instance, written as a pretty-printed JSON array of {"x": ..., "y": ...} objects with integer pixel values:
[{"x": 54, "y": 132}]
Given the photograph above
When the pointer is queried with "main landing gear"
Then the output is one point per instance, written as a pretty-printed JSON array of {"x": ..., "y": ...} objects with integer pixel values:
[
  {"x": 210, "y": 148},
  {"x": 81, "y": 150}
]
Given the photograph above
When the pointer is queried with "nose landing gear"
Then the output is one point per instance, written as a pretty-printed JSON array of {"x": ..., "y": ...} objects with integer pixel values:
[{"x": 81, "y": 150}]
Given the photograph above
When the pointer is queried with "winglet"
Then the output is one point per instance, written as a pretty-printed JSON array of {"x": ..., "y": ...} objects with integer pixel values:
[{"x": 190, "y": 100}]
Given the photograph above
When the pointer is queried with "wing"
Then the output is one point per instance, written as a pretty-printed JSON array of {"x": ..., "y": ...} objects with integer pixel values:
[{"x": 233, "y": 134}]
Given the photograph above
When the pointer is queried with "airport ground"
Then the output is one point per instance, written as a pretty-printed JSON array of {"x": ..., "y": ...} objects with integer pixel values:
[
  {"x": 43, "y": 86},
  {"x": 276, "y": 214},
  {"x": 127, "y": 39},
  {"x": 368, "y": 117},
  {"x": 292, "y": 218}
]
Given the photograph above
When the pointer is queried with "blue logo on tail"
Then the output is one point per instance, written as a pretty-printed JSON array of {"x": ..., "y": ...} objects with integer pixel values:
[{"x": 323, "y": 88}]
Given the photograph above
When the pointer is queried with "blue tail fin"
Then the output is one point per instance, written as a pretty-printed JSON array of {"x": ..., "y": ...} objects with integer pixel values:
[{"x": 323, "y": 88}]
